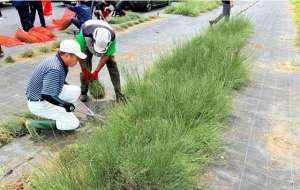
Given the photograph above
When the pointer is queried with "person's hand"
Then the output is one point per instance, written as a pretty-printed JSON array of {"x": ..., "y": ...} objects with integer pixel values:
[
  {"x": 69, "y": 107},
  {"x": 86, "y": 74},
  {"x": 95, "y": 75}
]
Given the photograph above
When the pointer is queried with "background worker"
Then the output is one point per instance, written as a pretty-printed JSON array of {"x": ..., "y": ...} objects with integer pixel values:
[
  {"x": 23, "y": 9},
  {"x": 83, "y": 13},
  {"x": 37, "y": 6},
  {"x": 97, "y": 38},
  {"x": 47, "y": 94},
  {"x": 227, "y": 5},
  {"x": 1, "y": 52}
]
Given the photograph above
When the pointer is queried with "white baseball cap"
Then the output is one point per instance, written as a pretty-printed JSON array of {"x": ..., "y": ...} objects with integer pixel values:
[
  {"x": 102, "y": 38},
  {"x": 73, "y": 47}
]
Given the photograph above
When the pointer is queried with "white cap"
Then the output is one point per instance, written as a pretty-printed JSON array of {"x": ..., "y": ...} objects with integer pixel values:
[
  {"x": 71, "y": 46},
  {"x": 102, "y": 38}
]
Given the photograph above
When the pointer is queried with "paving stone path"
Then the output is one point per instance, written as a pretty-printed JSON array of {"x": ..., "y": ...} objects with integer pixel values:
[{"x": 262, "y": 148}]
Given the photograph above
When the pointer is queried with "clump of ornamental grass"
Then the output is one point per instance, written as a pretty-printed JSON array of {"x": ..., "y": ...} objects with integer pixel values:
[
  {"x": 9, "y": 59},
  {"x": 192, "y": 7},
  {"x": 130, "y": 16},
  {"x": 96, "y": 89},
  {"x": 170, "y": 129},
  {"x": 28, "y": 54},
  {"x": 44, "y": 49},
  {"x": 14, "y": 127},
  {"x": 69, "y": 154}
]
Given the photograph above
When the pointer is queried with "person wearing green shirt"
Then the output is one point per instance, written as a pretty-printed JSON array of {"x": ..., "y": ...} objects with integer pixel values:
[{"x": 97, "y": 38}]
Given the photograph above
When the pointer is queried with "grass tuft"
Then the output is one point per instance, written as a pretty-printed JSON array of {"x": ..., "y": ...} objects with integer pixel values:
[
  {"x": 44, "y": 49},
  {"x": 28, "y": 54},
  {"x": 9, "y": 59},
  {"x": 130, "y": 16},
  {"x": 192, "y": 7}
]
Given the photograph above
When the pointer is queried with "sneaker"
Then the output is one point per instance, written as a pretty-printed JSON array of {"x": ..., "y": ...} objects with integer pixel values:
[{"x": 84, "y": 98}]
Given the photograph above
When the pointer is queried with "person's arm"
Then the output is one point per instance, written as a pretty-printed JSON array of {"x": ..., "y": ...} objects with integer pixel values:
[
  {"x": 51, "y": 91},
  {"x": 100, "y": 65},
  {"x": 55, "y": 100},
  {"x": 102, "y": 62}
]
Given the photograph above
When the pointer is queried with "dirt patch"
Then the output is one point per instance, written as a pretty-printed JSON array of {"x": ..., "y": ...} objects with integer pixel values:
[
  {"x": 290, "y": 67},
  {"x": 283, "y": 141},
  {"x": 258, "y": 46}
]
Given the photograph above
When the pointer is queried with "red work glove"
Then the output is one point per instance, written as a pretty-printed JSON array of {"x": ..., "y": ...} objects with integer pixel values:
[
  {"x": 86, "y": 74},
  {"x": 95, "y": 75}
]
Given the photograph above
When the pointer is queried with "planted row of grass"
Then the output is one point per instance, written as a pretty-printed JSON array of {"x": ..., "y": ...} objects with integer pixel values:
[
  {"x": 171, "y": 127},
  {"x": 30, "y": 53},
  {"x": 192, "y": 7},
  {"x": 130, "y": 16},
  {"x": 14, "y": 127},
  {"x": 296, "y": 4}
]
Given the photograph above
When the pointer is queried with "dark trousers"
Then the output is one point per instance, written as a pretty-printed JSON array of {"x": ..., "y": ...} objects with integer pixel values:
[
  {"x": 113, "y": 72},
  {"x": 37, "y": 6},
  {"x": 1, "y": 52},
  {"x": 225, "y": 13},
  {"x": 0, "y": 13},
  {"x": 25, "y": 19}
]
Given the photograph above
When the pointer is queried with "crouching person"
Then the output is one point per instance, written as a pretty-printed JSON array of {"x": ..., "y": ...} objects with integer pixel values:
[{"x": 48, "y": 95}]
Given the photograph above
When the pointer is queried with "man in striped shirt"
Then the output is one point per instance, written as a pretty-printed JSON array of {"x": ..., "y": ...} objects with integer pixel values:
[{"x": 47, "y": 93}]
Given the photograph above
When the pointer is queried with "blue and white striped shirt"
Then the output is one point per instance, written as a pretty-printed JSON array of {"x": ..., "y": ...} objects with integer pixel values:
[{"x": 47, "y": 78}]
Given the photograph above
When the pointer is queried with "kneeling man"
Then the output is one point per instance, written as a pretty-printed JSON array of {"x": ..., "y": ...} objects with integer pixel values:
[{"x": 48, "y": 95}]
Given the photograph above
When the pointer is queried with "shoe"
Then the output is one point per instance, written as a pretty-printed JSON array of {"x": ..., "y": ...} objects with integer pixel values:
[
  {"x": 211, "y": 22},
  {"x": 84, "y": 98}
]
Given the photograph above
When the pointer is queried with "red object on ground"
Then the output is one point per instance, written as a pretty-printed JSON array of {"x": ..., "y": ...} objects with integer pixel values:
[
  {"x": 26, "y": 37},
  {"x": 35, "y": 35},
  {"x": 8, "y": 41},
  {"x": 19, "y": 185},
  {"x": 43, "y": 31},
  {"x": 39, "y": 36},
  {"x": 47, "y": 7},
  {"x": 65, "y": 21}
]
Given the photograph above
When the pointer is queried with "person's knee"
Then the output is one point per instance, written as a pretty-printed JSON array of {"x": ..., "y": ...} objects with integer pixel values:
[
  {"x": 68, "y": 124},
  {"x": 75, "y": 90}
]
